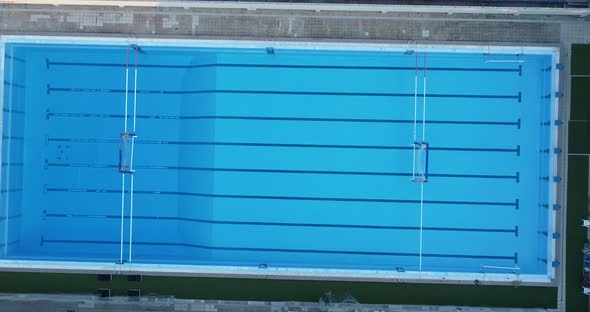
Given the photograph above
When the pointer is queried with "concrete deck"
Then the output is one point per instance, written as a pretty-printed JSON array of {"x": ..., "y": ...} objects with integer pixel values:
[{"x": 290, "y": 24}]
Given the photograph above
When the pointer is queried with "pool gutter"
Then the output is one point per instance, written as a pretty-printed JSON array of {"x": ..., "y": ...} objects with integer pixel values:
[{"x": 554, "y": 165}]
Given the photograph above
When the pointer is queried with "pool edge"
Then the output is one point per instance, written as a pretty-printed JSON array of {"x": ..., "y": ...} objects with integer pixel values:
[{"x": 221, "y": 271}]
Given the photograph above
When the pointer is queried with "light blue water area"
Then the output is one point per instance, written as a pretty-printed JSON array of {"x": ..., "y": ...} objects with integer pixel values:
[{"x": 291, "y": 158}]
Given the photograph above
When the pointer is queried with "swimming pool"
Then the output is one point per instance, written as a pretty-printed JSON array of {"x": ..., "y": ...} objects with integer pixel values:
[{"x": 279, "y": 159}]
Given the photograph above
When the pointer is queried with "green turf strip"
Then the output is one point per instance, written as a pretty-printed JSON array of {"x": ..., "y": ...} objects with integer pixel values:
[
  {"x": 580, "y": 109},
  {"x": 286, "y": 290},
  {"x": 581, "y": 59},
  {"x": 579, "y": 137},
  {"x": 576, "y": 235}
]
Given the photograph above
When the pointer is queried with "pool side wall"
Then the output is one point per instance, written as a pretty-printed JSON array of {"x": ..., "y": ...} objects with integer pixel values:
[{"x": 4, "y": 213}]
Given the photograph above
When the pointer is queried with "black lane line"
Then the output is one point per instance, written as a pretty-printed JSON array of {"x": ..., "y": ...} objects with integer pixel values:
[
  {"x": 410, "y": 68},
  {"x": 286, "y": 171},
  {"x": 12, "y": 111},
  {"x": 9, "y": 243},
  {"x": 296, "y": 198},
  {"x": 287, "y": 145},
  {"x": 354, "y": 120},
  {"x": 276, "y": 92},
  {"x": 16, "y": 190},
  {"x": 13, "y": 84},
  {"x": 285, "y": 250},
  {"x": 2, "y": 218},
  {"x": 12, "y": 164},
  {"x": 5, "y": 137},
  {"x": 285, "y": 224},
  {"x": 16, "y": 58}
]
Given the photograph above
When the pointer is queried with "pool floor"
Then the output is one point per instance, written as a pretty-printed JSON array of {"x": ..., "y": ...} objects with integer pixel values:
[{"x": 281, "y": 158}]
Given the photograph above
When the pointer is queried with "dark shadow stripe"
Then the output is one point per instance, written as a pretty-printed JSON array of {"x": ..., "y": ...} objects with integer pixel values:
[
  {"x": 283, "y": 92},
  {"x": 285, "y": 171},
  {"x": 285, "y": 224},
  {"x": 282, "y": 250},
  {"x": 352, "y": 120},
  {"x": 288, "y": 145},
  {"x": 295, "y": 198},
  {"x": 389, "y": 68}
]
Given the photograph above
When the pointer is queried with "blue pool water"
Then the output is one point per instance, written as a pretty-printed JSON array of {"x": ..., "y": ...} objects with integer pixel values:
[{"x": 287, "y": 158}]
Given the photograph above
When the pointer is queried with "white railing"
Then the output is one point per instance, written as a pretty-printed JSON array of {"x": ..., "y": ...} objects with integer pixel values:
[{"x": 485, "y": 269}]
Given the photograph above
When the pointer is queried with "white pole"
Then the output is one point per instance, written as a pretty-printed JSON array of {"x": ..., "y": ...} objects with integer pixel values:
[
  {"x": 126, "y": 87},
  {"x": 131, "y": 218},
  {"x": 415, "y": 96},
  {"x": 135, "y": 93},
  {"x": 131, "y": 161},
  {"x": 415, "y": 118},
  {"x": 122, "y": 214},
  {"x": 123, "y": 174},
  {"x": 421, "y": 220},
  {"x": 423, "y": 140},
  {"x": 424, "y": 103}
]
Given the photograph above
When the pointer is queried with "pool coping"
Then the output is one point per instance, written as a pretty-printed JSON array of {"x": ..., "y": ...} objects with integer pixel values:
[
  {"x": 300, "y": 273},
  {"x": 335, "y": 45}
]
